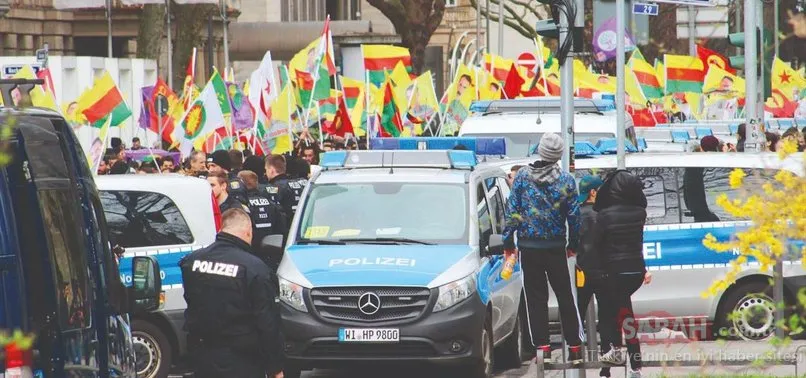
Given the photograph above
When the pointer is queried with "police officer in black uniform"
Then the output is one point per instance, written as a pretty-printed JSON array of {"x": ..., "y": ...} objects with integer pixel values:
[
  {"x": 220, "y": 161},
  {"x": 267, "y": 217},
  {"x": 219, "y": 185},
  {"x": 233, "y": 313},
  {"x": 282, "y": 188}
]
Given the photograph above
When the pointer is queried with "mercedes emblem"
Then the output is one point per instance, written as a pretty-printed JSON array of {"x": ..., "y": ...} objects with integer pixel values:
[{"x": 369, "y": 303}]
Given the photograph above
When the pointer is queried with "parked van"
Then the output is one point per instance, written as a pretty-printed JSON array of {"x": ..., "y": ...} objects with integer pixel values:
[
  {"x": 165, "y": 216},
  {"x": 395, "y": 256},
  {"x": 521, "y": 122},
  {"x": 59, "y": 279},
  {"x": 681, "y": 192}
]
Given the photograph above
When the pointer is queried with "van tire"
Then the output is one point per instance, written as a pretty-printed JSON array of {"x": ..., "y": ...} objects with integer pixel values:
[
  {"x": 484, "y": 367},
  {"x": 150, "y": 341},
  {"x": 513, "y": 351},
  {"x": 753, "y": 297}
]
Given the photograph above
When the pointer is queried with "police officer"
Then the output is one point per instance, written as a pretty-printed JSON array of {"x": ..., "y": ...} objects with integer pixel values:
[
  {"x": 220, "y": 161},
  {"x": 233, "y": 315},
  {"x": 267, "y": 217},
  {"x": 282, "y": 188},
  {"x": 219, "y": 185}
]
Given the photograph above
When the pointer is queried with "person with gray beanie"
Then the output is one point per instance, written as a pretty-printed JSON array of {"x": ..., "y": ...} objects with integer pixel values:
[{"x": 542, "y": 201}]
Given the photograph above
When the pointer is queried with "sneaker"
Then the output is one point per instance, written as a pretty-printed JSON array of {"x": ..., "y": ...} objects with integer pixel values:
[
  {"x": 634, "y": 374},
  {"x": 575, "y": 356},
  {"x": 615, "y": 356},
  {"x": 546, "y": 350}
]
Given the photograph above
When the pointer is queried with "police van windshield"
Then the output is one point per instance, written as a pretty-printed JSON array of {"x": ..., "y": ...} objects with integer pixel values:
[{"x": 392, "y": 211}]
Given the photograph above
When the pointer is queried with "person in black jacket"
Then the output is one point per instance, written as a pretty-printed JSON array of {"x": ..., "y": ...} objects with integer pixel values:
[
  {"x": 621, "y": 215},
  {"x": 233, "y": 313},
  {"x": 282, "y": 188},
  {"x": 267, "y": 217}
]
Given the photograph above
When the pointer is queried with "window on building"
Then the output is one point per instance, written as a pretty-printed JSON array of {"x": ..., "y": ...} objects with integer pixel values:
[
  {"x": 308, "y": 10},
  {"x": 451, "y": 3},
  {"x": 144, "y": 219}
]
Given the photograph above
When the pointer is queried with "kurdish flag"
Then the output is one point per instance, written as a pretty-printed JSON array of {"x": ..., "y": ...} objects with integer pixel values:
[
  {"x": 646, "y": 75},
  {"x": 660, "y": 71},
  {"x": 274, "y": 122},
  {"x": 498, "y": 66},
  {"x": 380, "y": 58},
  {"x": 722, "y": 81},
  {"x": 683, "y": 73},
  {"x": 391, "y": 123},
  {"x": 354, "y": 100},
  {"x": 329, "y": 106},
  {"x": 311, "y": 89},
  {"x": 104, "y": 100}
]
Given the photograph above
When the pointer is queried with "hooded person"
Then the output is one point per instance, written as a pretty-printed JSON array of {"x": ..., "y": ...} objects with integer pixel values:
[
  {"x": 544, "y": 203},
  {"x": 621, "y": 216}
]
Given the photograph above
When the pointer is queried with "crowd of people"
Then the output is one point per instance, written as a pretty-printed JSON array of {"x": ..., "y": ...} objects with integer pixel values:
[{"x": 773, "y": 141}]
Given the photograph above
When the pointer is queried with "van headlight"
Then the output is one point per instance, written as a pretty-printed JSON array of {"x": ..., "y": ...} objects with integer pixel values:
[
  {"x": 452, "y": 293},
  {"x": 291, "y": 294}
]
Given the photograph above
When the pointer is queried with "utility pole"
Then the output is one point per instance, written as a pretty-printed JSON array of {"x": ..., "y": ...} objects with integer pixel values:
[
  {"x": 566, "y": 90},
  {"x": 762, "y": 61},
  {"x": 621, "y": 8},
  {"x": 501, "y": 10},
  {"x": 478, "y": 24},
  {"x": 487, "y": 25},
  {"x": 692, "y": 25},
  {"x": 109, "y": 28},
  {"x": 225, "y": 21},
  {"x": 169, "y": 33},
  {"x": 750, "y": 60},
  {"x": 777, "y": 13}
]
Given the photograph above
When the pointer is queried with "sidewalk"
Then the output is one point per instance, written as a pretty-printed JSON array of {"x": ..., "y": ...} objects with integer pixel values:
[{"x": 674, "y": 351}]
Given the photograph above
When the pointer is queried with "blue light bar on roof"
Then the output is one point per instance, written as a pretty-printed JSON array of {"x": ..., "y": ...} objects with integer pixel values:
[
  {"x": 333, "y": 159},
  {"x": 610, "y": 146},
  {"x": 479, "y": 106},
  {"x": 585, "y": 148},
  {"x": 481, "y": 146}
]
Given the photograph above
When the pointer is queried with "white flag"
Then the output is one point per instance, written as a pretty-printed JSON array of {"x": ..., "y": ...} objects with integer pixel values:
[
  {"x": 262, "y": 81},
  {"x": 196, "y": 1},
  {"x": 78, "y": 4},
  {"x": 141, "y": 2},
  {"x": 203, "y": 117}
]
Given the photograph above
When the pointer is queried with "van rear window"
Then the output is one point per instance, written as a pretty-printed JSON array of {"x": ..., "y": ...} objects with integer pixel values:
[{"x": 144, "y": 219}]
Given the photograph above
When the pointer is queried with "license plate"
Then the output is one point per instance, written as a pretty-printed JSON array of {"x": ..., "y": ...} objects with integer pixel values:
[{"x": 369, "y": 335}]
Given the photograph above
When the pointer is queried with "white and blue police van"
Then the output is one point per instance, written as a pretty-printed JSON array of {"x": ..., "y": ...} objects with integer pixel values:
[
  {"x": 394, "y": 257},
  {"x": 59, "y": 279},
  {"x": 682, "y": 191}
]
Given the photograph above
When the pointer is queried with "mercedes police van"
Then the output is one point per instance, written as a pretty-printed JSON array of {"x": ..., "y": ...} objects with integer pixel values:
[
  {"x": 59, "y": 279},
  {"x": 682, "y": 191},
  {"x": 395, "y": 255},
  {"x": 521, "y": 122}
]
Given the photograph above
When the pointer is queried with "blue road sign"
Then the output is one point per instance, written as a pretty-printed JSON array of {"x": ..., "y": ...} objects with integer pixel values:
[
  {"x": 645, "y": 9},
  {"x": 701, "y": 3},
  {"x": 12, "y": 69}
]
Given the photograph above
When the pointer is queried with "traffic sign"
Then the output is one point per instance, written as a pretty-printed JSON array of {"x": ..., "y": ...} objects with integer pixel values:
[
  {"x": 701, "y": 3},
  {"x": 645, "y": 9},
  {"x": 41, "y": 55},
  {"x": 527, "y": 60},
  {"x": 12, "y": 69}
]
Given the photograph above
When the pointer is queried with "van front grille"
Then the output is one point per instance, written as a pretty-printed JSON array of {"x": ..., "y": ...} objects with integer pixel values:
[{"x": 395, "y": 303}]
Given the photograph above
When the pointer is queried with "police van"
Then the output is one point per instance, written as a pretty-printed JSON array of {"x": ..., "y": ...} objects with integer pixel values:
[
  {"x": 165, "y": 216},
  {"x": 395, "y": 255},
  {"x": 521, "y": 122},
  {"x": 59, "y": 279},
  {"x": 681, "y": 191}
]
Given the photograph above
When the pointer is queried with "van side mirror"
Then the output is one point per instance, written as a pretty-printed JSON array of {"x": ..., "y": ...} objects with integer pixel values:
[
  {"x": 146, "y": 286},
  {"x": 272, "y": 245},
  {"x": 495, "y": 247}
]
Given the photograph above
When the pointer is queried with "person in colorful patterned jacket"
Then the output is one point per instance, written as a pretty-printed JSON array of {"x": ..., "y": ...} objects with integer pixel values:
[{"x": 543, "y": 200}]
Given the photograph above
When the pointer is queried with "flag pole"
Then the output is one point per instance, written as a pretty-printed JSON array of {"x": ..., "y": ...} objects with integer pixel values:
[
  {"x": 367, "y": 89},
  {"x": 225, "y": 21},
  {"x": 109, "y": 28}
]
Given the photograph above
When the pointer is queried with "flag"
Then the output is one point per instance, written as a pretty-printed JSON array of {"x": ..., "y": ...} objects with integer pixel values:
[
  {"x": 189, "y": 89},
  {"x": 786, "y": 80},
  {"x": 646, "y": 75},
  {"x": 463, "y": 87},
  {"x": 203, "y": 117},
  {"x": 342, "y": 124},
  {"x": 391, "y": 123},
  {"x": 242, "y": 112},
  {"x": 401, "y": 81},
  {"x": 329, "y": 106},
  {"x": 355, "y": 102},
  {"x": 381, "y": 58},
  {"x": 497, "y": 66},
  {"x": 220, "y": 88},
  {"x": 709, "y": 57},
  {"x": 683, "y": 73},
  {"x": 96, "y": 153},
  {"x": 635, "y": 93},
  {"x": 78, "y": 4},
  {"x": 722, "y": 81},
  {"x": 49, "y": 88},
  {"x": 604, "y": 41},
  {"x": 326, "y": 49},
  {"x": 660, "y": 71},
  {"x": 513, "y": 84},
  {"x": 40, "y": 94},
  {"x": 274, "y": 123},
  {"x": 489, "y": 88},
  {"x": 104, "y": 100},
  {"x": 149, "y": 116},
  {"x": 262, "y": 81},
  {"x": 310, "y": 89}
]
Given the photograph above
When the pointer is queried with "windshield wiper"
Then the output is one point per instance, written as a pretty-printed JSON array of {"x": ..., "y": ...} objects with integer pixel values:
[
  {"x": 322, "y": 241},
  {"x": 387, "y": 240}
]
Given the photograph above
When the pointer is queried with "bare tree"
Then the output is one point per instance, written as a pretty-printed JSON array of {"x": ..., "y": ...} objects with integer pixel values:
[
  {"x": 151, "y": 31},
  {"x": 518, "y": 14},
  {"x": 415, "y": 21}
]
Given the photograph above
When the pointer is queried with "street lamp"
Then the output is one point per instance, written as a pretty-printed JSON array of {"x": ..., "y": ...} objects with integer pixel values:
[{"x": 5, "y": 7}]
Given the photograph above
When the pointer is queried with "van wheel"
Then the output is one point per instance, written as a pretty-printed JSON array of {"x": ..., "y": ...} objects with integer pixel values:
[
  {"x": 747, "y": 313},
  {"x": 153, "y": 354},
  {"x": 484, "y": 368},
  {"x": 514, "y": 351}
]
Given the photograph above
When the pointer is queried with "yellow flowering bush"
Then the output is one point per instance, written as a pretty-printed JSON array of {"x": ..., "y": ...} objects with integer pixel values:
[
  {"x": 17, "y": 338},
  {"x": 777, "y": 213}
]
